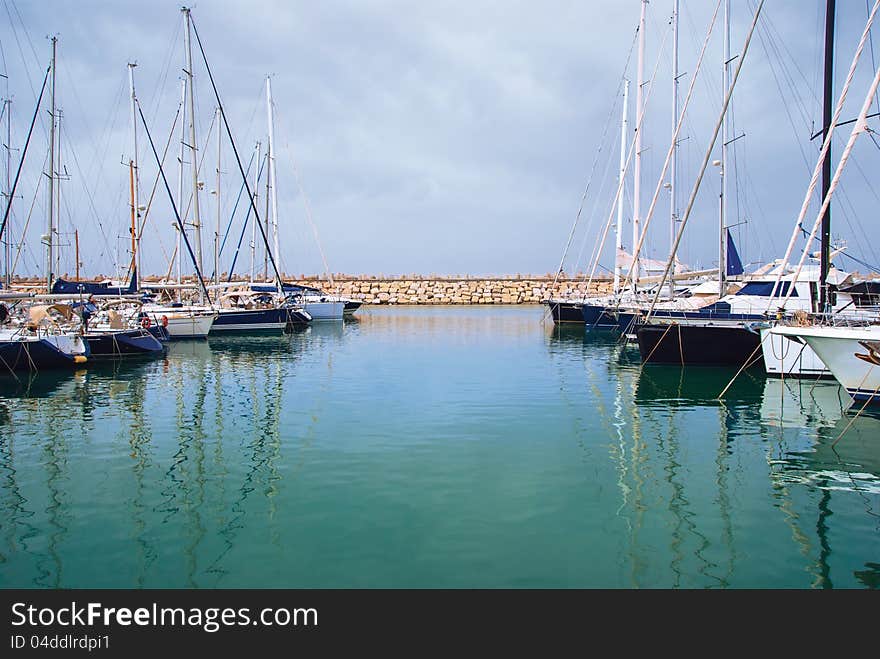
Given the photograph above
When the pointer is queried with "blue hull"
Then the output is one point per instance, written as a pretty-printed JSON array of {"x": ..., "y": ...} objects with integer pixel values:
[
  {"x": 257, "y": 320},
  {"x": 128, "y": 343},
  {"x": 566, "y": 312},
  {"x": 33, "y": 356},
  {"x": 599, "y": 317}
]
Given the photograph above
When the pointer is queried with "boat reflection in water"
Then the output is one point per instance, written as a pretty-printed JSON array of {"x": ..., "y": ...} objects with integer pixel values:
[{"x": 821, "y": 488}]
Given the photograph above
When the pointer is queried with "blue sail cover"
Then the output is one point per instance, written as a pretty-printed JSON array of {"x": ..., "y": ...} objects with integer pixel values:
[
  {"x": 285, "y": 288},
  {"x": 64, "y": 287},
  {"x": 734, "y": 265}
]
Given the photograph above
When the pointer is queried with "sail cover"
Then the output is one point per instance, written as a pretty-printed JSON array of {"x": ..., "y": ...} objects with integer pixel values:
[{"x": 64, "y": 287}]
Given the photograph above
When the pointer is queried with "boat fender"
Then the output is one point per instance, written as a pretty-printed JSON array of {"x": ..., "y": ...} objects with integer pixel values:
[
  {"x": 145, "y": 322},
  {"x": 164, "y": 321}
]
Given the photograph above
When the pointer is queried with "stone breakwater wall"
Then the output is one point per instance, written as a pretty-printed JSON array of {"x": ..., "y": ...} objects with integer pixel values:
[
  {"x": 447, "y": 290},
  {"x": 419, "y": 289}
]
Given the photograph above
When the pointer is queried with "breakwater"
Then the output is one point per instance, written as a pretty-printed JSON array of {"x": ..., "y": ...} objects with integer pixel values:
[
  {"x": 439, "y": 290},
  {"x": 424, "y": 289}
]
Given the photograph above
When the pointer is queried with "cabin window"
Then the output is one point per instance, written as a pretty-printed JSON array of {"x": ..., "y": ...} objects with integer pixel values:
[{"x": 765, "y": 288}]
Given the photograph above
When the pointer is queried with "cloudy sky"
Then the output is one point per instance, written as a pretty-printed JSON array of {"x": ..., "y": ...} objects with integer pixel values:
[{"x": 434, "y": 137}]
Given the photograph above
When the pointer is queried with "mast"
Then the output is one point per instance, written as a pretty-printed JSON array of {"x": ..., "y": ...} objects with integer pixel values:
[
  {"x": 133, "y": 165},
  {"x": 217, "y": 230},
  {"x": 7, "y": 251},
  {"x": 76, "y": 243},
  {"x": 272, "y": 180},
  {"x": 180, "y": 177},
  {"x": 722, "y": 213},
  {"x": 255, "y": 220},
  {"x": 618, "y": 246},
  {"x": 50, "y": 232},
  {"x": 266, "y": 231},
  {"x": 827, "y": 111},
  {"x": 673, "y": 210},
  {"x": 637, "y": 167},
  {"x": 133, "y": 216},
  {"x": 197, "y": 224}
]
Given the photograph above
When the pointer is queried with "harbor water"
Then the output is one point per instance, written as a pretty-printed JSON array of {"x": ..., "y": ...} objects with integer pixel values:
[{"x": 451, "y": 447}]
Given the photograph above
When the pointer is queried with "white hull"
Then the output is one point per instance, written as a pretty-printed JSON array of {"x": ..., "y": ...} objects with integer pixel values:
[
  {"x": 182, "y": 323},
  {"x": 837, "y": 347},
  {"x": 325, "y": 310},
  {"x": 785, "y": 357}
]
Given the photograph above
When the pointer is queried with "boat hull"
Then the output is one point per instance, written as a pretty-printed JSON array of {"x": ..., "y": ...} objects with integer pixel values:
[
  {"x": 124, "y": 343},
  {"x": 709, "y": 345},
  {"x": 566, "y": 312},
  {"x": 325, "y": 310},
  {"x": 182, "y": 324},
  {"x": 36, "y": 354},
  {"x": 851, "y": 354},
  {"x": 599, "y": 317},
  {"x": 791, "y": 357},
  {"x": 247, "y": 321}
]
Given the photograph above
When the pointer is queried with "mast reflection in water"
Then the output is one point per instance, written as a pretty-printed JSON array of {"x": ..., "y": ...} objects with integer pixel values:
[{"x": 448, "y": 447}]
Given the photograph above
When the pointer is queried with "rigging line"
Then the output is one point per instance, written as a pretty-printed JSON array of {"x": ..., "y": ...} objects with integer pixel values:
[
  {"x": 850, "y": 144},
  {"x": 785, "y": 106},
  {"x": 23, "y": 243},
  {"x": 782, "y": 77},
  {"x": 783, "y": 60},
  {"x": 20, "y": 50},
  {"x": 650, "y": 214},
  {"x": 246, "y": 217},
  {"x": 238, "y": 161},
  {"x": 173, "y": 205},
  {"x": 848, "y": 210},
  {"x": 308, "y": 209},
  {"x": 640, "y": 117},
  {"x": 162, "y": 78},
  {"x": 598, "y": 198},
  {"x": 155, "y": 186},
  {"x": 235, "y": 208},
  {"x": 596, "y": 158},
  {"x": 873, "y": 268},
  {"x": 23, "y": 154},
  {"x": 728, "y": 95},
  {"x": 826, "y": 145},
  {"x": 91, "y": 200}
]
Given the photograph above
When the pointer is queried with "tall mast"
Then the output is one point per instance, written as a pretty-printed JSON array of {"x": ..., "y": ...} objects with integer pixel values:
[
  {"x": 51, "y": 231},
  {"x": 272, "y": 180},
  {"x": 217, "y": 230},
  {"x": 7, "y": 250},
  {"x": 133, "y": 217},
  {"x": 722, "y": 213},
  {"x": 618, "y": 243},
  {"x": 637, "y": 167},
  {"x": 197, "y": 224},
  {"x": 254, "y": 221},
  {"x": 133, "y": 165},
  {"x": 266, "y": 230},
  {"x": 827, "y": 110},
  {"x": 673, "y": 209},
  {"x": 180, "y": 179}
]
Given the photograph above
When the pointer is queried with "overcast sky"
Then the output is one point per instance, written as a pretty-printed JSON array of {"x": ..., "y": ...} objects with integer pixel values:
[{"x": 433, "y": 137}]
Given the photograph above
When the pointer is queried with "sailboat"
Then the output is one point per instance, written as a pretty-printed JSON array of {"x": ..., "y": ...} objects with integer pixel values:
[
  {"x": 788, "y": 294},
  {"x": 316, "y": 303},
  {"x": 851, "y": 353},
  {"x": 837, "y": 301},
  {"x": 235, "y": 311}
]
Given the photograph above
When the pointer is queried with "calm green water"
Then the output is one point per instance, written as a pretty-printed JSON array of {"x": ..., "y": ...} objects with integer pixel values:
[{"x": 432, "y": 447}]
